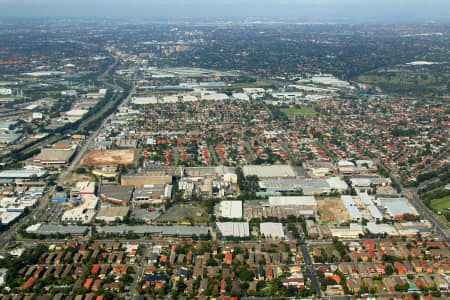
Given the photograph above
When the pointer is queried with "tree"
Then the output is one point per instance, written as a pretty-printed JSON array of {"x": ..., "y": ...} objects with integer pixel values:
[{"x": 389, "y": 270}]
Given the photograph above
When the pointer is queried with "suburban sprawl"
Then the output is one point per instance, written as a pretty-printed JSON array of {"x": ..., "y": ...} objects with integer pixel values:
[{"x": 182, "y": 161}]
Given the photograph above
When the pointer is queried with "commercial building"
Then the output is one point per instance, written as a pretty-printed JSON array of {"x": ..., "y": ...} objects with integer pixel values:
[
  {"x": 230, "y": 209},
  {"x": 272, "y": 230},
  {"x": 234, "y": 229},
  {"x": 82, "y": 192}
]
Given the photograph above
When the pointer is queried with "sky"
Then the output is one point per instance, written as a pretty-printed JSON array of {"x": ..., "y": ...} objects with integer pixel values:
[{"x": 351, "y": 10}]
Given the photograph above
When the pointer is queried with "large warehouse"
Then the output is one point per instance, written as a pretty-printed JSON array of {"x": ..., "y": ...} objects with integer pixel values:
[
  {"x": 272, "y": 230},
  {"x": 305, "y": 202},
  {"x": 231, "y": 209},
  {"x": 234, "y": 229},
  {"x": 272, "y": 171}
]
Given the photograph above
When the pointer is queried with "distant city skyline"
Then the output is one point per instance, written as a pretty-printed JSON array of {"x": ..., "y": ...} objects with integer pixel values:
[{"x": 343, "y": 10}]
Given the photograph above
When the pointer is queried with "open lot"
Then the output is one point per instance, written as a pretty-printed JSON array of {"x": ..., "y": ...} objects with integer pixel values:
[
  {"x": 332, "y": 210},
  {"x": 299, "y": 112},
  {"x": 108, "y": 158},
  {"x": 180, "y": 213}
]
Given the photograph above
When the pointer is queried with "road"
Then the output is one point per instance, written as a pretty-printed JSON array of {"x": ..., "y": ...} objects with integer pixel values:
[{"x": 310, "y": 267}]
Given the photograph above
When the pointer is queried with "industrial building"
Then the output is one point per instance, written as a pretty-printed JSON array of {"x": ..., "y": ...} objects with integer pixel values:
[
  {"x": 120, "y": 194},
  {"x": 146, "y": 179},
  {"x": 10, "y": 138},
  {"x": 271, "y": 171},
  {"x": 22, "y": 174},
  {"x": 147, "y": 230},
  {"x": 309, "y": 186},
  {"x": 51, "y": 230},
  {"x": 55, "y": 156},
  {"x": 272, "y": 230},
  {"x": 351, "y": 207},
  {"x": 304, "y": 202},
  {"x": 152, "y": 194},
  {"x": 397, "y": 207},
  {"x": 230, "y": 209},
  {"x": 234, "y": 229}
]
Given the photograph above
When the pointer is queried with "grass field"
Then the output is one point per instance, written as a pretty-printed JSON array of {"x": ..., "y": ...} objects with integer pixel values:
[
  {"x": 441, "y": 203},
  {"x": 251, "y": 84},
  {"x": 299, "y": 112}
]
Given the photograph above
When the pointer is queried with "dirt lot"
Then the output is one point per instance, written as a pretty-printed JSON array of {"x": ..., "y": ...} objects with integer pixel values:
[
  {"x": 332, "y": 210},
  {"x": 108, "y": 158},
  {"x": 181, "y": 213},
  {"x": 74, "y": 178}
]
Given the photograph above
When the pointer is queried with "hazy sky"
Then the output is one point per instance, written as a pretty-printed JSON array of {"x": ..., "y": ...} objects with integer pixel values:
[{"x": 311, "y": 9}]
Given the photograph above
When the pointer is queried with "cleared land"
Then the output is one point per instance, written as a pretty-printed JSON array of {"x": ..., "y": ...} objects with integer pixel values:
[
  {"x": 108, "y": 158},
  {"x": 180, "y": 213},
  {"x": 299, "y": 112},
  {"x": 441, "y": 203},
  {"x": 332, "y": 210}
]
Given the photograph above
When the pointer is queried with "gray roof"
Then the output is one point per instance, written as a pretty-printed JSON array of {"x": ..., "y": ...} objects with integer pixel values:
[
  {"x": 117, "y": 192},
  {"x": 176, "y": 230},
  {"x": 22, "y": 173},
  {"x": 48, "y": 229}
]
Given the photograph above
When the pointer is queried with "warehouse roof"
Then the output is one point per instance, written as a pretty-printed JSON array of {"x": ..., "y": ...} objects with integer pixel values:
[
  {"x": 352, "y": 209},
  {"x": 398, "y": 206},
  {"x": 292, "y": 201},
  {"x": 271, "y": 171},
  {"x": 51, "y": 154},
  {"x": 274, "y": 230},
  {"x": 117, "y": 192},
  {"x": 48, "y": 229},
  {"x": 177, "y": 230},
  {"x": 24, "y": 174},
  {"x": 236, "y": 229},
  {"x": 231, "y": 209}
]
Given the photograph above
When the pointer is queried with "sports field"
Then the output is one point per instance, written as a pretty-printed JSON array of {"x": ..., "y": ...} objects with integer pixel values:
[
  {"x": 299, "y": 112},
  {"x": 441, "y": 203}
]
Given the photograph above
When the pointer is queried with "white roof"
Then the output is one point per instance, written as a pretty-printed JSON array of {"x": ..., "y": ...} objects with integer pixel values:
[
  {"x": 274, "y": 230},
  {"x": 351, "y": 207},
  {"x": 144, "y": 100},
  {"x": 292, "y": 201},
  {"x": 381, "y": 228},
  {"x": 337, "y": 183},
  {"x": 374, "y": 212},
  {"x": 231, "y": 209},
  {"x": 398, "y": 206},
  {"x": 271, "y": 171},
  {"x": 236, "y": 229},
  {"x": 345, "y": 163}
]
